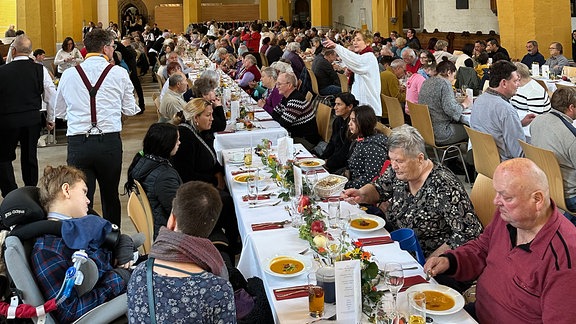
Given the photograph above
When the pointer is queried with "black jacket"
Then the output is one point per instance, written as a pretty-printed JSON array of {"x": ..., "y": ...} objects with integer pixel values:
[{"x": 338, "y": 148}]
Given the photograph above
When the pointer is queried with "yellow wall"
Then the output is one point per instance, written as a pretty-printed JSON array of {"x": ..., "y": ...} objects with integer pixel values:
[
  {"x": 8, "y": 16},
  {"x": 321, "y": 12},
  {"x": 192, "y": 12},
  {"x": 36, "y": 18},
  {"x": 545, "y": 21},
  {"x": 283, "y": 9},
  {"x": 381, "y": 12},
  {"x": 68, "y": 21}
]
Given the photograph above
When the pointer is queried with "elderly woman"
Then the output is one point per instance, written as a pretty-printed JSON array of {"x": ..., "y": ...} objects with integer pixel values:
[
  {"x": 271, "y": 97},
  {"x": 531, "y": 99},
  {"x": 422, "y": 195},
  {"x": 248, "y": 73},
  {"x": 291, "y": 53},
  {"x": 205, "y": 87},
  {"x": 400, "y": 46},
  {"x": 68, "y": 56},
  {"x": 196, "y": 160},
  {"x": 338, "y": 148},
  {"x": 363, "y": 67},
  {"x": 445, "y": 111},
  {"x": 441, "y": 50},
  {"x": 63, "y": 195},
  {"x": 152, "y": 168},
  {"x": 368, "y": 148}
]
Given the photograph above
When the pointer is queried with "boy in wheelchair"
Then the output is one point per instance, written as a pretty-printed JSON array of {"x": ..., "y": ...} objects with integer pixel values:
[{"x": 68, "y": 228}]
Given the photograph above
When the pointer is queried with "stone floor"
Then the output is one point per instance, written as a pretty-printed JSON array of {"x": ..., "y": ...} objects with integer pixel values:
[{"x": 133, "y": 132}]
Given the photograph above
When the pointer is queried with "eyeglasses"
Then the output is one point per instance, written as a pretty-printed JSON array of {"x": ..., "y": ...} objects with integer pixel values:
[
  {"x": 113, "y": 45},
  {"x": 552, "y": 48}
]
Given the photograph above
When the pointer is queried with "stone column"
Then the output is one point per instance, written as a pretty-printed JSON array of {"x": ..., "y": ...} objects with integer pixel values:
[
  {"x": 382, "y": 12},
  {"x": 192, "y": 12},
  {"x": 321, "y": 13}
]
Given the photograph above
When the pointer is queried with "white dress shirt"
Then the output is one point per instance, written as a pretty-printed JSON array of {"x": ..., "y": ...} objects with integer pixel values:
[
  {"x": 114, "y": 98},
  {"x": 49, "y": 89}
]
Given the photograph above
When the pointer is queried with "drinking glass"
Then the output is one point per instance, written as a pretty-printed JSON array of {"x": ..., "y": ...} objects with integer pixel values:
[
  {"x": 248, "y": 157},
  {"x": 394, "y": 279},
  {"x": 333, "y": 212},
  {"x": 311, "y": 179},
  {"x": 345, "y": 218},
  {"x": 416, "y": 307},
  {"x": 281, "y": 170},
  {"x": 294, "y": 202},
  {"x": 252, "y": 183},
  {"x": 315, "y": 296},
  {"x": 384, "y": 312}
]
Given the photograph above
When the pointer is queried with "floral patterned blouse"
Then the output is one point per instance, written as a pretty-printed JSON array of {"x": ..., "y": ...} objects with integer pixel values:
[
  {"x": 440, "y": 212},
  {"x": 199, "y": 298}
]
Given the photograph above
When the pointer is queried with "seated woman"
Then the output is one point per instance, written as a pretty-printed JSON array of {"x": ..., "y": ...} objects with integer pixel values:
[
  {"x": 422, "y": 195},
  {"x": 152, "y": 168},
  {"x": 445, "y": 111},
  {"x": 530, "y": 99},
  {"x": 205, "y": 87},
  {"x": 291, "y": 53},
  {"x": 416, "y": 80},
  {"x": 248, "y": 73},
  {"x": 196, "y": 160},
  {"x": 271, "y": 97},
  {"x": 338, "y": 148},
  {"x": 63, "y": 195},
  {"x": 185, "y": 266},
  {"x": 368, "y": 150}
]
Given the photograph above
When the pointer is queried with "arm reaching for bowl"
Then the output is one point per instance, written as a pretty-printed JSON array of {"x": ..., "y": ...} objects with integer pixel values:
[{"x": 367, "y": 194}]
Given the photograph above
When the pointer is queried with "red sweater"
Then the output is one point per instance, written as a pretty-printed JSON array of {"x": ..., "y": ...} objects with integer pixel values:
[{"x": 252, "y": 40}]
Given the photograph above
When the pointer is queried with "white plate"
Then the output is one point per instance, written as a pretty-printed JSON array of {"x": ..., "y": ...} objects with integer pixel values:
[
  {"x": 232, "y": 161},
  {"x": 381, "y": 222},
  {"x": 307, "y": 265},
  {"x": 458, "y": 299},
  {"x": 240, "y": 178},
  {"x": 317, "y": 163}
]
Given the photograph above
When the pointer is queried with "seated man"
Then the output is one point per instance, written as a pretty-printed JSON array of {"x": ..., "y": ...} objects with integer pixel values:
[
  {"x": 422, "y": 195},
  {"x": 63, "y": 196},
  {"x": 492, "y": 112},
  {"x": 390, "y": 86},
  {"x": 172, "y": 102},
  {"x": 493, "y": 47},
  {"x": 554, "y": 131},
  {"x": 295, "y": 113},
  {"x": 412, "y": 60},
  {"x": 523, "y": 259},
  {"x": 533, "y": 55},
  {"x": 326, "y": 76},
  {"x": 556, "y": 61},
  {"x": 185, "y": 265}
]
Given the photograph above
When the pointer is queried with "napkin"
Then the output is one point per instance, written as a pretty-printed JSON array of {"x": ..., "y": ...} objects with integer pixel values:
[
  {"x": 237, "y": 172},
  {"x": 265, "y": 226},
  {"x": 226, "y": 131},
  {"x": 378, "y": 240},
  {"x": 316, "y": 171},
  {"x": 411, "y": 281},
  {"x": 265, "y": 119},
  {"x": 260, "y": 197},
  {"x": 291, "y": 292}
]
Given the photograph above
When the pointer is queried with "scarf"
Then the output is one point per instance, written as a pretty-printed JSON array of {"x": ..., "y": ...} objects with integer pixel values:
[
  {"x": 179, "y": 247},
  {"x": 367, "y": 49}
]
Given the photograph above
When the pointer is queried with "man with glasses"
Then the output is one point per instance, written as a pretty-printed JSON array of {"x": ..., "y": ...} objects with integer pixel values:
[
  {"x": 94, "y": 123},
  {"x": 556, "y": 61}
]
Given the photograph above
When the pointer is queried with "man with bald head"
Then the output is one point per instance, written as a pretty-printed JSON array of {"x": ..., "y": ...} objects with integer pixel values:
[
  {"x": 23, "y": 86},
  {"x": 525, "y": 259}
]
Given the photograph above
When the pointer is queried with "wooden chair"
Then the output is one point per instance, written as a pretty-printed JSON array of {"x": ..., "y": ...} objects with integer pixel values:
[
  {"x": 564, "y": 86},
  {"x": 383, "y": 129},
  {"x": 485, "y": 151},
  {"x": 395, "y": 111},
  {"x": 343, "y": 82},
  {"x": 487, "y": 84},
  {"x": 546, "y": 160},
  {"x": 482, "y": 197},
  {"x": 161, "y": 80},
  {"x": 569, "y": 71},
  {"x": 420, "y": 116},
  {"x": 156, "y": 99},
  {"x": 309, "y": 96},
  {"x": 323, "y": 114},
  {"x": 264, "y": 60},
  {"x": 308, "y": 64},
  {"x": 140, "y": 214},
  {"x": 543, "y": 85},
  {"x": 313, "y": 81}
]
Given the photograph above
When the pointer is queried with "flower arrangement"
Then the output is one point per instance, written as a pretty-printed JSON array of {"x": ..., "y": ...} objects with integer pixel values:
[{"x": 272, "y": 163}]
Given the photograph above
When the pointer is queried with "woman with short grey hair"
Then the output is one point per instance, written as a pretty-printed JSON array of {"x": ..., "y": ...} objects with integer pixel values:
[
  {"x": 271, "y": 97},
  {"x": 291, "y": 54}
]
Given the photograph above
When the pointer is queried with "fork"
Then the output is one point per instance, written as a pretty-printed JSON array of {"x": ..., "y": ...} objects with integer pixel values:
[
  {"x": 264, "y": 204},
  {"x": 304, "y": 251}
]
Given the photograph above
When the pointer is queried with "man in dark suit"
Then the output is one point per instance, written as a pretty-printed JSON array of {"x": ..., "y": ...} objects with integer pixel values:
[{"x": 23, "y": 86}]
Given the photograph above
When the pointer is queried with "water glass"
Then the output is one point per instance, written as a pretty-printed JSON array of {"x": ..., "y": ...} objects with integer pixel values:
[
  {"x": 394, "y": 279},
  {"x": 248, "y": 156},
  {"x": 384, "y": 313},
  {"x": 252, "y": 183},
  {"x": 333, "y": 212},
  {"x": 315, "y": 296},
  {"x": 416, "y": 307}
]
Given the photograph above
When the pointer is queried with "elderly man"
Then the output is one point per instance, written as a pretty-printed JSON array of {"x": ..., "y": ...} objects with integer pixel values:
[
  {"x": 533, "y": 54},
  {"x": 554, "y": 131},
  {"x": 94, "y": 125},
  {"x": 173, "y": 57},
  {"x": 24, "y": 85},
  {"x": 556, "y": 61},
  {"x": 172, "y": 102},
  {"x": 492, "y": 112},
  {"x": 412, "y": 62},
  {"x": 523, "y": 260},
  {"x": 295, "y": 113},
  {"x": 389, "y": 80},
  {"x": 328, "y": 81}
]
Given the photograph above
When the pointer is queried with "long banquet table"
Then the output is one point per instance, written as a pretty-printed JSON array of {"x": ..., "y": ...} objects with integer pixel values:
[{"x": 260, "y": 246}]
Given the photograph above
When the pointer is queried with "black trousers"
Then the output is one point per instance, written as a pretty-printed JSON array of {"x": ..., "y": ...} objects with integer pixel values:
[
  {"x": 100, "y": 157},
  {"x": 28, "y": 138}
]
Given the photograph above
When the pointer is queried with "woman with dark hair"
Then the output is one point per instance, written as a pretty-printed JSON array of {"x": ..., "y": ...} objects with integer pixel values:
[
  {"x": 415, "y": 81},
  {"x": 467, "y": 52},
  {"x": 265, "y": 45},
  {"x": 368, "y": 150},
  {"x": 68, "y": 56},
  {"x": 152, "y": 168},
  {"x": 338, "y": 148},
  {"x": 445, "y": 111},
  {"x": 432, "y": 45}
]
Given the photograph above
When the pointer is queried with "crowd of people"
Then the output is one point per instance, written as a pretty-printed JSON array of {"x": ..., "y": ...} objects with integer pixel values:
[{"x": 193, "y": 211}]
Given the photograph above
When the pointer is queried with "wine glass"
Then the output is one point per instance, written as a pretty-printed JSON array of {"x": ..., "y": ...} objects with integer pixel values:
[
  {"x": 344, "y": 222},
  {"x": 333, "y": 212},
  {"x": 394, "y": 279},
  {"x": 281, "y": 170},
  {"x": 311, "y": 179}
]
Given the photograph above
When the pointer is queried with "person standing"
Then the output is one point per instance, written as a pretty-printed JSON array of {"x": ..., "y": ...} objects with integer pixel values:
[
  {"x": 23, "y": 86},
  {"x": 94, "y": 143}
]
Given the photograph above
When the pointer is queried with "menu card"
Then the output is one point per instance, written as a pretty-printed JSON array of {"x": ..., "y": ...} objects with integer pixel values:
[
  {"x": 297, "y": 181},
  {"x": 469, "y": 93},
  {"x": 348, "y": 293},
  {"x": 234, "y": 110},
  {"x": 545, "y": 71},
  {"x": 535, "y": 69},
  {"x": 285, "y": 149}
]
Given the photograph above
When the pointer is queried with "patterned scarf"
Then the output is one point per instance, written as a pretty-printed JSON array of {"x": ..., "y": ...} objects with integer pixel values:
[
  {"x": 179, "y": 247},
  {"x": 367, "y": 49}
]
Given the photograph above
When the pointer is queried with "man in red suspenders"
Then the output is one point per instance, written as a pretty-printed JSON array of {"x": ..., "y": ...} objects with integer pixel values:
[{"x": 93, "y": 97}]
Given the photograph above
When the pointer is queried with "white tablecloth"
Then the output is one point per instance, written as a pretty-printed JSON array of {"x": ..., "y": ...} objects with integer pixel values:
[{"x": 260, "y": 246}]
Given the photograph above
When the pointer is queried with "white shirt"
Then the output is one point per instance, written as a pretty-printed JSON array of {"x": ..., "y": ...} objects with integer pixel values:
[
  {"x": 62, "y": 55},
  {"x": 114, "y": 98},
  {"x": 49, "y": 89},
  {"x": 366, "y": 86}
]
